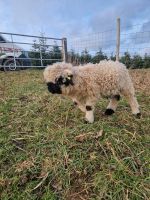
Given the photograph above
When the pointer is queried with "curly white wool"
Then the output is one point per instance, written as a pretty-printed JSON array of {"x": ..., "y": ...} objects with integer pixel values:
[{"x": 93, "y": 81}]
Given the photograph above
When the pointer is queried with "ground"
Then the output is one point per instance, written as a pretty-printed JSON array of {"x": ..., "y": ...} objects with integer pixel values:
[{"x": 48, "y": 153}]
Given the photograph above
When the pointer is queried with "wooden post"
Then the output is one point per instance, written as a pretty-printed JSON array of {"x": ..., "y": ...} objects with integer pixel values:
[
  {"x": 118, "y": 39},
  {"x": 64, "y": 49}
]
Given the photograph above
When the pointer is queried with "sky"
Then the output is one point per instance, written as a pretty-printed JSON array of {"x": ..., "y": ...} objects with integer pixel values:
[{"x": 71, "y": 18}]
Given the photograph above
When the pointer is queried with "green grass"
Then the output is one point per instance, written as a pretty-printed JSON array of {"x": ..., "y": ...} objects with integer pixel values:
[{"x": 40, "y": 158}]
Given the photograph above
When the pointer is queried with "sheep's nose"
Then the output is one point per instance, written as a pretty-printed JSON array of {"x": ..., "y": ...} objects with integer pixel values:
[{"x": 54, "y": 88}]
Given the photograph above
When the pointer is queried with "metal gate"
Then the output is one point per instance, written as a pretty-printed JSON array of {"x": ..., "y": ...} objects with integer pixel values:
[{"x": 26, "y": 51}]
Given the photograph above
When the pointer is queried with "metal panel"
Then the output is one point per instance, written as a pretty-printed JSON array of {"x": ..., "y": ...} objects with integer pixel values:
[{"x": 31, "y": 50}]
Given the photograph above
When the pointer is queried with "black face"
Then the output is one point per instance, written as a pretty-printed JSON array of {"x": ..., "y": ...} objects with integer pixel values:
[{"x": 54, "y": 88}]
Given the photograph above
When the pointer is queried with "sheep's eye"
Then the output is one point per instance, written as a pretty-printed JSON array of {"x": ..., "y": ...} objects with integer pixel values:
[{"x": 59, "y": 80}]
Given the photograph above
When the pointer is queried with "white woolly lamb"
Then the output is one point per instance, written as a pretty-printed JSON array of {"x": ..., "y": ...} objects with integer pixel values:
[{"x": 86, "y": 84}]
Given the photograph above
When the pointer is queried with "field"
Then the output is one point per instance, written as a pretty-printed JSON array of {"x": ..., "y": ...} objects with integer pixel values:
[{"x": 48, "y": 153}]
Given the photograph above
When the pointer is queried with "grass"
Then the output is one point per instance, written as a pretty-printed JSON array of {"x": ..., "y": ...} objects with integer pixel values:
[{"x": 40, "y": 157}]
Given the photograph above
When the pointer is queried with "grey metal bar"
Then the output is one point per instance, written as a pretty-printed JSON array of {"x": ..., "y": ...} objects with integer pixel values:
[
  {"x": 30, "y": 51},
  {"x": 41, "y": 56},
  {"x": 20, "y": 66},
  {"x": 32, "y": 44},
  {"x": 33, "y": 36},
  {"x": 13, "y": 50},
  {"x": 37, "y": 59}
]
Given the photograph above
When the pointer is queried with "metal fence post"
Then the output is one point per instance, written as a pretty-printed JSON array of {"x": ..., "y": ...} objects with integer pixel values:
[
  {"x": 118, "y": 39},
  {"x": 41, "y": 56},
  {"x": 64, "y": 49},
  {"x": 13, "y": 50}
]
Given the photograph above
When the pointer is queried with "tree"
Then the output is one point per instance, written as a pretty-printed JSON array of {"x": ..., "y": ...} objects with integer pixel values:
[
  {"x": 137, "y": 62},
  {"x": 126, "y": 59},
  {"x": 72, "y": 57},
  {"x": 55, "y": 53},
  {"x": 99, "y": 56},
  {"x": 40, "y": 49},
  {"x": 112, "y": 57},
  {"x": 146, "y": 61},
  {"x": 34, "y": 54},
  {"x": 85, "y": 57}
]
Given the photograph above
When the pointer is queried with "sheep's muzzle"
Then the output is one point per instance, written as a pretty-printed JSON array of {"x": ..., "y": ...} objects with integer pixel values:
[{"x": 54, "y": 88}]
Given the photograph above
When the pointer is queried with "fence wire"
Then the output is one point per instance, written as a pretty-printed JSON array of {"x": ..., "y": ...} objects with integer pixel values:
[{"x": 134, "y": 40}]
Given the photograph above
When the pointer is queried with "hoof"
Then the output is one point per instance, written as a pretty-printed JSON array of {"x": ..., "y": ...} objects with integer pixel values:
[
  {"x": 117, "y": 97},
  {"x": 87, "y": 122},
  {"x": 75, "y": 103},
  {"x": 138, "y": 115},
  {"x": 109, "y": 111}
]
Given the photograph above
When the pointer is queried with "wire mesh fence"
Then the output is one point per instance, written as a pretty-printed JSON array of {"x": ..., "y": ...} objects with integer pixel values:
[
  {"x": 133, "y": 43},
  {"x": 136, "y": 39},
  {"x": 134, "y": 46},
  {"x": 82, "y": 49}
]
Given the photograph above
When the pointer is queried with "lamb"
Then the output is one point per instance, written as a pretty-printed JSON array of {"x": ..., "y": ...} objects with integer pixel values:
[{"x": 85, "y": 85}]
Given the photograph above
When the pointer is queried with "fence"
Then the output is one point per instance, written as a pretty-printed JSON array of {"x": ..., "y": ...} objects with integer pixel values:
[
  {"x": 116, "y": 43},
  {"x": 18, "y": 50},
  {"x": 119, "y": 43}
]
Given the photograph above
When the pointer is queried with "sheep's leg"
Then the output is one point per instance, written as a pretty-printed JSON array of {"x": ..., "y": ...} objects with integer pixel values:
[
  {"x": 79, "y": 104},
  {"x": 111, "y": 108},
  {"x": 82, "y": 107},
  {"x": 133, "y": 104},
  {"x": 130, "y": 97},
  {"x": 87, "y": 108},
  {"x": 89, "y": 116}
]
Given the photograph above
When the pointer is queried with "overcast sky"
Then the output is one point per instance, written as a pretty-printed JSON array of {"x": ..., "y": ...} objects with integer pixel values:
[
  {"x": 70, "y": 18},
  {"x": 81, "y": 21}
]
